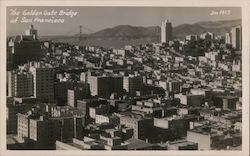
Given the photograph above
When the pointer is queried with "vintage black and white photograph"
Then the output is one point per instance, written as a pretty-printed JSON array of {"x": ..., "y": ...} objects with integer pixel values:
[{"x": 124, "y": 78}]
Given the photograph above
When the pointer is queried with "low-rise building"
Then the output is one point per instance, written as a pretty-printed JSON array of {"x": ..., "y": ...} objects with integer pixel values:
[{"x": 182, "y": 145}]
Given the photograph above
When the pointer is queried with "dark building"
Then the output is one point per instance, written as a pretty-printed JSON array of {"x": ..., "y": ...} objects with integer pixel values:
[
  {"x": 23, "y": 48},
  {"x": 61, "y": 92},
  {"x": 80, "y": 91},
  {"x": 83, "y": 105},
  {"x": 226, "y": 102}
]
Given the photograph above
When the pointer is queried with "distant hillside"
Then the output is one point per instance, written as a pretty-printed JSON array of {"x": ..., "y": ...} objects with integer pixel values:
[
  {"x": 122, "y": 35},
  {"x": 127, "y": 31},
  {"x": 217, "y": 27}
]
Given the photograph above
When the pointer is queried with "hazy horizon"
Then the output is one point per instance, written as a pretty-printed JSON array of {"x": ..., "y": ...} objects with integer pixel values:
[{"x": 99, "y": 18}]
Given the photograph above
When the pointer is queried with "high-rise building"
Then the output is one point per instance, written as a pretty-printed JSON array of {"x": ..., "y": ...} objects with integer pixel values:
[
  {"x": 23, "y": 48},
  {"x": 236, "y": 37},
  {"x": 166, "y": 31},
  {"x": 43, "y": 81},
  {"x": 20, "y": 84},
  {"x": 61, "y": 92}
]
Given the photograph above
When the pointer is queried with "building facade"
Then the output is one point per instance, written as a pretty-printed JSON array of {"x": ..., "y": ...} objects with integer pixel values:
[
  {"x": 20, "y": 84},
  {"x": 236, "y": 37},
  {"x": 43, "y": 81},
  {"x": 166, "y": 31}
]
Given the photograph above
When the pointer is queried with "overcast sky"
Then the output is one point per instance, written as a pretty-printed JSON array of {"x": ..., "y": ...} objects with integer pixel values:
[{"x": 97, "y": 18}]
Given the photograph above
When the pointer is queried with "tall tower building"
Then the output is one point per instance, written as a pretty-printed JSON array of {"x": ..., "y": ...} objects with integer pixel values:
[
  {"x": 23, "y": 48},
  {"x": 166, "y": 31},
  {"x": 43, "y": 81},
  {"x": 236, "y": 37},
  {"x": 227, "y": 38},
  {"x": 31, "y": 32}
]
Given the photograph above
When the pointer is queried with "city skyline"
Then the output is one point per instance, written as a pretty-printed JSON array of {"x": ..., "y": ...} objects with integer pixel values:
[
  {"x": 115, "y": 98},
  {"x": 99, "y": 18},
  {"x": 180, "y": 92}
]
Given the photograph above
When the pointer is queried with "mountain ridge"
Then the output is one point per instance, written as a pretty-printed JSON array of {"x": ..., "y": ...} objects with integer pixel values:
[{"x": 122, "y": 35}]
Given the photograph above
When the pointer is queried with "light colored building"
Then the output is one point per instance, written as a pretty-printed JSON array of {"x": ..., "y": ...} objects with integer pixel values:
[
  {"x": 72, "y": 97},
  {"x": 182, "y": 145},
  {"x": 68, "y": 146},
  {"x": 22, "y": 126},
  {"x": 227, "y": 38},
  {"x": 153, "y": 109},
  {"x": 99, "y": 119},
  {"x": 202, "y": 137},
  {"x": 213, "y": 56},
  {"x": 237, "y": 67},
  {"x": 168, "y": 122},
  {"x": 84, "y": 77}
]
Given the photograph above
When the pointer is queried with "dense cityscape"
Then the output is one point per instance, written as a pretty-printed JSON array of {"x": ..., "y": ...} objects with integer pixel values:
[{"x": 173, "y": 95}]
